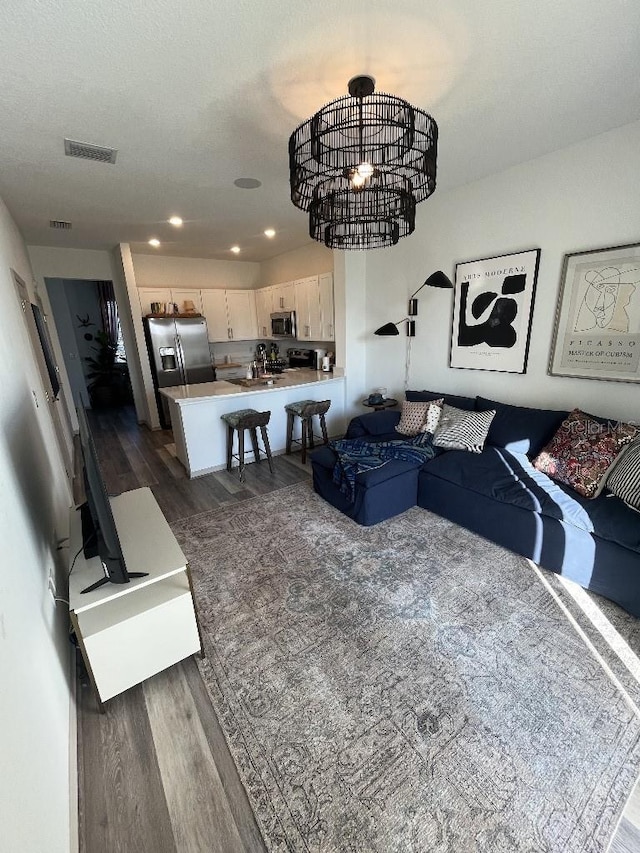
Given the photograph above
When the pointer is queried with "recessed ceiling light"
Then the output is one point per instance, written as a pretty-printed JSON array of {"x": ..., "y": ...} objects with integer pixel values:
[
  {"x": 176, "y": 220},
  {"x": 269, "y": 232},
  {"x": 154, "y": 242},
  {"x": 248, "y": 183},
  {"x": 235, "y": 249}
]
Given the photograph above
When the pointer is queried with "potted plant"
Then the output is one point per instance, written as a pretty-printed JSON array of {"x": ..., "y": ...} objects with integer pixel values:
[{"x": 107, "y": 379}]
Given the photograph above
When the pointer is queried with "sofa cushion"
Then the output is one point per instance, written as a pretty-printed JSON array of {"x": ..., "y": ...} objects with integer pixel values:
[
  {"x": 520, "y": 429},
  {"x": 380, "y": 425},
  {"x": 511, "y": 478},
  {"x": 462, "y": 430},
  {"x": 467, "y": 403},
  {"x": 582, "y": 450}
]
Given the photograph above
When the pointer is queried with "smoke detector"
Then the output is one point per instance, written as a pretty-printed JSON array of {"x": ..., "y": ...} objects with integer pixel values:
[
  {"x": 60, "y": 224},
  {"x": 87, "y": 151}
]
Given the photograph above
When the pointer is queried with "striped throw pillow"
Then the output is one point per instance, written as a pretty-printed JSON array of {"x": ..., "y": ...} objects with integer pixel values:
[
  {"x": 462, "y": 430},
  {"x": 624, "y": 479}
]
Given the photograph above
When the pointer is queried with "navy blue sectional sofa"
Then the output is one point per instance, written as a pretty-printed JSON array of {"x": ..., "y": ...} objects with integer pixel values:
[{"x": 500, "y": 495}]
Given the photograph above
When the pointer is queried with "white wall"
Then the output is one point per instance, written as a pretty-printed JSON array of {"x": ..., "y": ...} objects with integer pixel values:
[
  {"x": 312, "y": 259},
  {"x": 582, "y": 197},
  {"x": 199, "y": 273},
  {"x": 34, "y": 647}
]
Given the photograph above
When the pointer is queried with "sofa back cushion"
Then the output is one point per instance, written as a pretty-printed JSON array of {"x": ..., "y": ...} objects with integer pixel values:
[
  {"x": 467, "y": 403},
  {"x": 518, "y": 428}
]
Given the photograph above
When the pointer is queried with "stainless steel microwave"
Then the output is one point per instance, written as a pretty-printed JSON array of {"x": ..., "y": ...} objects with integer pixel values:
[{"x": 283, "y": 324}]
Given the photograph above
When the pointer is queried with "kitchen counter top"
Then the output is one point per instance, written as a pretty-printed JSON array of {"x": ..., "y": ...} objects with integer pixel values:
[
  {"x": 292, "y": 378},
  {"x": 200, "y": 434}
]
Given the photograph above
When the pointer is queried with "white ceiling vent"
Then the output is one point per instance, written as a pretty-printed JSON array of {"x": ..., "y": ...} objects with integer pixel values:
[
  {"x": 60, "y": 224},
  {"x": 87, "y": 151}
]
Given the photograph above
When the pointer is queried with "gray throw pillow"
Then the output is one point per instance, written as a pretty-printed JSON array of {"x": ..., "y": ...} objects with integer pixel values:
[{"x": 462, "y": 430}]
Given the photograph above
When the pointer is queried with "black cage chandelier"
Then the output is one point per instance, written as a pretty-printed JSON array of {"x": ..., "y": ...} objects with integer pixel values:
[{"x": 360, "y": 165}]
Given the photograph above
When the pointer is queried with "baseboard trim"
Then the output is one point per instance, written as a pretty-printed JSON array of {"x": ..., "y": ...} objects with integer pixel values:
[{"x": 74, "y": 823}]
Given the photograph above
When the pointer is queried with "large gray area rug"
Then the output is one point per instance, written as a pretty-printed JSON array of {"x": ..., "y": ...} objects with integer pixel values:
[{"x": 406, "y": 687}]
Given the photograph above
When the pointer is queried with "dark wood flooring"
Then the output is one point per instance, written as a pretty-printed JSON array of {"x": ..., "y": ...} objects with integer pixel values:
[{"x": 155, "y": 773}]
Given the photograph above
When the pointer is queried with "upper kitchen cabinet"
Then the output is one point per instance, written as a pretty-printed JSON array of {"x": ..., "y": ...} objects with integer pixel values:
[
  {"x": 327, "y": 307},
  {"x": 148, "y": 295},
  {"x": 214, "y": 308},
  {"x": 241, "y": 312},
  {"x": 284, "y": 296},
  {"x": 230, "y": 315},
  {"x": 308, "y": 314},
  {"x": 264, "y": 309},
  {"x": 182, "y": 297}
]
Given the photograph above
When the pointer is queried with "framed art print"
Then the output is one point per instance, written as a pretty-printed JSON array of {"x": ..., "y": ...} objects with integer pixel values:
[
  {"x": 492, "y": 312},
  {"x": 597, "y": 330}
]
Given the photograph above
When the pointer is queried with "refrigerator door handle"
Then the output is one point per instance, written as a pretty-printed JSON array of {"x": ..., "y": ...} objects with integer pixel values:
[{"x": 181, "y": 360}]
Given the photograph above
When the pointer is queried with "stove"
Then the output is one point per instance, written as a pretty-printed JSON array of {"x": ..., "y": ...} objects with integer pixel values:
[{"x": 301, "y": 357}]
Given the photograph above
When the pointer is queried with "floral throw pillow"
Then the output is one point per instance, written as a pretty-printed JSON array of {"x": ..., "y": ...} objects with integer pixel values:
[
  {"x": 582, "y": 450},
  {"x": 412, "y": 419}
]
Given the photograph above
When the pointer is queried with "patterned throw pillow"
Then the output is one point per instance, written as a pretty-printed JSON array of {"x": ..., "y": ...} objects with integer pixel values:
[
  {"x": 624, "y": 479},
  {"x": 432, "y": 418},
  {"x": 462, "y": 430},
  {"x": 582, "y": 450},
  {"x": 412, "y": 418}
]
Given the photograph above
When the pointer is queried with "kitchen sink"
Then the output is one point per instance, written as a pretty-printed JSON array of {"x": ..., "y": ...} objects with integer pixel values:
[{"x": 251, "y": 383}]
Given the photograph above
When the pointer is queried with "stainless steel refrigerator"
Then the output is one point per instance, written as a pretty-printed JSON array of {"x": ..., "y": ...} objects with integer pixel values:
[{"x": 179, "y": 355}]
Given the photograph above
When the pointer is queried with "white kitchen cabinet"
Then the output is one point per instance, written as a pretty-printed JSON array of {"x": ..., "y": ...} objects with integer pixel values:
[
  {"x": 241, "y": 313},
  {"x": 230, "y": 315},
  {"x": 327, "y": 307},
  {"x": 264, "y": 309},
  {"x": 284, "y": 296},
  {"x": 308, "y": 315},
  {"x": 181, "y": 295},
  {"x": 214, "y": 308},
  {"x": 153, "y": 294},
  {"x": 177, "y": 295}
]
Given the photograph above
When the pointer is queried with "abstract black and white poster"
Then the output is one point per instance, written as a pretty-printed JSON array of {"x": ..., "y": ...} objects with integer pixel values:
[
  {"x": 597, "y": 334},
  {"x": 492, "y": 311}
]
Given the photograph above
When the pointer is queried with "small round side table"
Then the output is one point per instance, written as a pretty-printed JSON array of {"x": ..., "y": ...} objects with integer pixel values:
[{"x": 387, "y": 403}]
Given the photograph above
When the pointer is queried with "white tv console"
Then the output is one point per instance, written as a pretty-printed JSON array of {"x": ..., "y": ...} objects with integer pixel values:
[{"x": 129, "y": 632}]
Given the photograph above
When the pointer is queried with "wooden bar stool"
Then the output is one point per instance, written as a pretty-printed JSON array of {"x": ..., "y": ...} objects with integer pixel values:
[
  {"x": 252, "y": 420},
  {"x": 305, "y": 410}
]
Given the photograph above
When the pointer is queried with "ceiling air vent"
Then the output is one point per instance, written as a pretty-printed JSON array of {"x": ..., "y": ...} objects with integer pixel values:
[
  {"x": 60, "y": 224},
  {"x": 87, "y": 151}
]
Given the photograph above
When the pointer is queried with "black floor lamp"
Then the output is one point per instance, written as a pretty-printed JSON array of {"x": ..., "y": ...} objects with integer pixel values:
[{"x": 436, "y": 279}]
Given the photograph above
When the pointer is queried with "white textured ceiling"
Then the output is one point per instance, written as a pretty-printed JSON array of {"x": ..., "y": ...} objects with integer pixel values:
[{"x": 194, "y": 94}]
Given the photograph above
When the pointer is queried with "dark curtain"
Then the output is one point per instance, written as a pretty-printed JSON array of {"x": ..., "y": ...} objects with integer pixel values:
[{"x": 108, "y": 310}]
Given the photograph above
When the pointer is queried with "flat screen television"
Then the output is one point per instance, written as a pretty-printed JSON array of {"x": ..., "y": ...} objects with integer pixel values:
[{"x": 99, "y": 533}]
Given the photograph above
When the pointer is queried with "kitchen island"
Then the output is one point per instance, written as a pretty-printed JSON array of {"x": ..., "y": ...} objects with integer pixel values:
[{"x": 196, "y": 413}]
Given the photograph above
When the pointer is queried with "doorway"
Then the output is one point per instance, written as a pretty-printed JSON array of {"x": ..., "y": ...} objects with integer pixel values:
[{"x": 88, "y": 325}]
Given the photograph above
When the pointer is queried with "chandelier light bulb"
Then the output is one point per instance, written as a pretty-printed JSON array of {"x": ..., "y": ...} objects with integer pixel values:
[
  {"x": 357, "y": 180},
  {"x": 365, "y": 170},
  {"x": 176, "y": 220}
]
